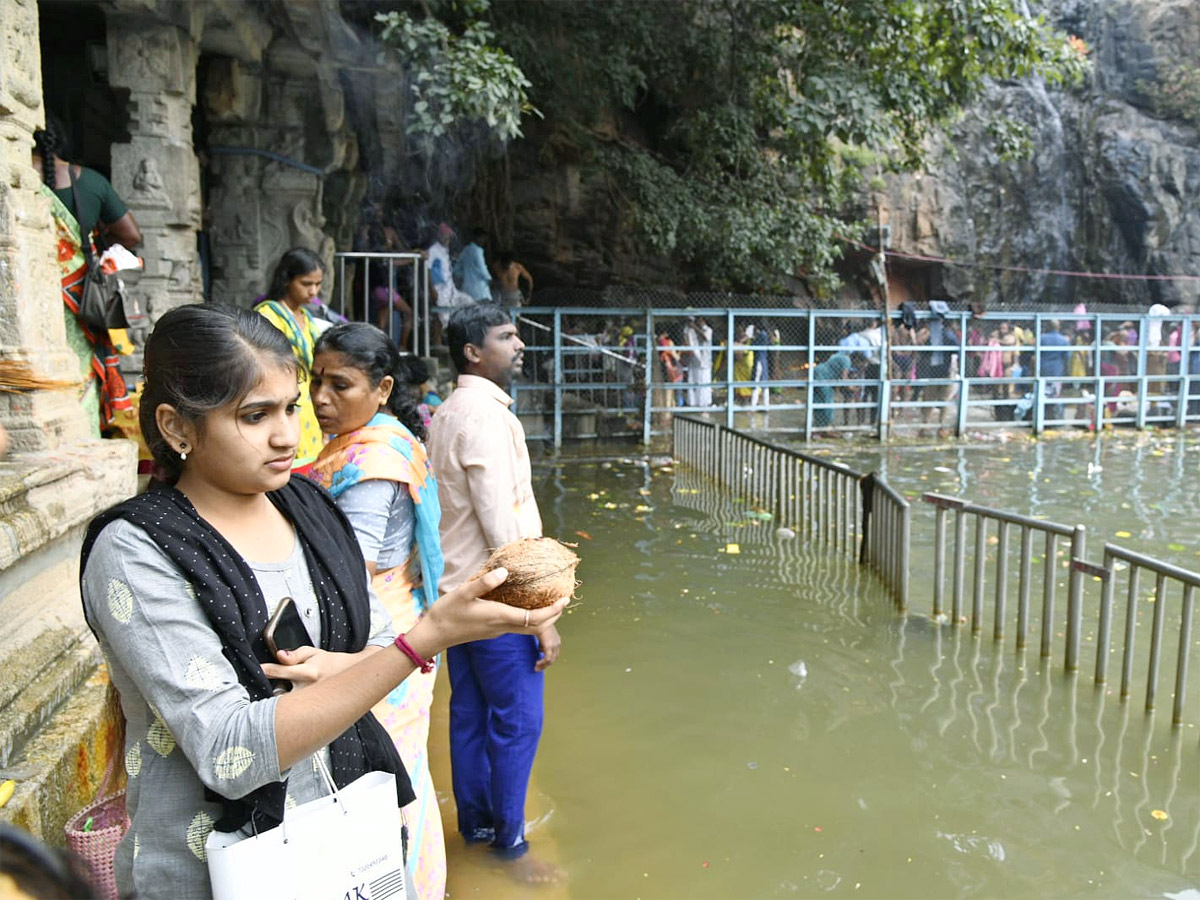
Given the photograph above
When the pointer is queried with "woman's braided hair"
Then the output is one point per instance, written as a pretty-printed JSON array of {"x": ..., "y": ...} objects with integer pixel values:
[{"x": 50, "y": 142}]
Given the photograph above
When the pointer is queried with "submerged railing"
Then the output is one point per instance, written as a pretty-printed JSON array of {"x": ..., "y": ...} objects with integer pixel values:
[
  {"x": 851, "y": 513},
  {"x": 1165, "y": 575},
  {"x": 860, "y": 514},
  {"x": 887, "y": 536},
  {"x": 1004, "y": 521}
]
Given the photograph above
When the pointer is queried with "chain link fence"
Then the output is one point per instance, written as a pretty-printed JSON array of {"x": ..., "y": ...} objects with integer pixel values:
[{"x": 611, "y": 372}]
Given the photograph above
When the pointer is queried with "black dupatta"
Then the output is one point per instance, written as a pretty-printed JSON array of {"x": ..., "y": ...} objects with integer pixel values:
[{"x": 230, "y": 596}]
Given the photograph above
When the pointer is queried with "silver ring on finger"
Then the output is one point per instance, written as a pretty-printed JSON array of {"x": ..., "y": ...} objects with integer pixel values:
[{"x": 526, "y": 625}]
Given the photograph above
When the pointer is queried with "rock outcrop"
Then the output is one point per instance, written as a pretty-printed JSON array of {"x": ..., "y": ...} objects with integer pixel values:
[{"x": 1111, "y": 185}]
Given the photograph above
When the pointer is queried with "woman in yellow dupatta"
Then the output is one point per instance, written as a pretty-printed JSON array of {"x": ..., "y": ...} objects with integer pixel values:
[
  {"x": 743, "y": 362},
  {"x": 296, "y": 280},
  {"x": 377, "y": 471}
]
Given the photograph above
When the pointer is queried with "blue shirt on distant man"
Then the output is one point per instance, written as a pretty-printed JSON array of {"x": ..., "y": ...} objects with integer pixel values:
[
  {"x": 472, "y": 270},
  {"x": 1054, "y": 362}
]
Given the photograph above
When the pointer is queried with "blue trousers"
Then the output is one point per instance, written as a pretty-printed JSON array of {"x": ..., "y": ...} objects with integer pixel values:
[{"x": 495, "y": 724}]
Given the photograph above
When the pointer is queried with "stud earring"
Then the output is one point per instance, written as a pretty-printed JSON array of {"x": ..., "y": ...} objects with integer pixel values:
[{"x": 183, "y": 453}]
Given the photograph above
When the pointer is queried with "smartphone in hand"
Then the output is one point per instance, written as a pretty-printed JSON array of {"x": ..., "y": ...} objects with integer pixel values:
[{"x": 285, "y": 630}]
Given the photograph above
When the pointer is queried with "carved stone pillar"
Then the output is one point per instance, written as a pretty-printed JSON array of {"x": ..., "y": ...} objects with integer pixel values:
[
  {"x": 275, "y": 130},
  {"x": 31, "y": 306},
  {"x": 51, "y": 722},
  {"x": 233, "y": 105},
  {"x": 157, "y": 173}
]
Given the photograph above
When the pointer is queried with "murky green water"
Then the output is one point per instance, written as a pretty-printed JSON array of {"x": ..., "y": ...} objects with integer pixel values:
[
  {"x": 762, "y": 724},
  {"x": 1144, "y": 483}
]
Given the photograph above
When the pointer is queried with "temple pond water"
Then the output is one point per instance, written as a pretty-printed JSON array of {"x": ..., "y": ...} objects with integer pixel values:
[{"x": 737, "y": 715}]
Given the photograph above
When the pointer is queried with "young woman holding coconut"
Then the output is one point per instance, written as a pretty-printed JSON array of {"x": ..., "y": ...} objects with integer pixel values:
[
  {"x": 178, "y": 584},
  {"x": 376, "y": 469}
]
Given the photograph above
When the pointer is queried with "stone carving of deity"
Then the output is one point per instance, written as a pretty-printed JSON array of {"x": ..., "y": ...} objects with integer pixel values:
[{"x": 148, "y": 184}]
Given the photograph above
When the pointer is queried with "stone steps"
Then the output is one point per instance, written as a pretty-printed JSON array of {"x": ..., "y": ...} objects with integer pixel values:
[
  {"x": 53, "y": 719},
  {"x": 53, "y": 724},
  {"x": 39, "y": 678},
  {"x": 59, "y": 770},
  {"x": 53, "y": 728}
]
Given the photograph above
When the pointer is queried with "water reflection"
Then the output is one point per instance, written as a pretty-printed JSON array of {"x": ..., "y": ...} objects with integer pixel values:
[
  {"x": 1143, "y": 483},
  {"x": 1146, "y": 786}
]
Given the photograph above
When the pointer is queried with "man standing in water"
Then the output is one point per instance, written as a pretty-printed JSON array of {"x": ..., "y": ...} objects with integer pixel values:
[{"x": 477, "y": 447}]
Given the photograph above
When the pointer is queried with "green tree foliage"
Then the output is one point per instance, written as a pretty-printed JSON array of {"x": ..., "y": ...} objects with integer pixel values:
[
  {"x": 733, "y": 131},
  {"x": 457, "y": 79}
]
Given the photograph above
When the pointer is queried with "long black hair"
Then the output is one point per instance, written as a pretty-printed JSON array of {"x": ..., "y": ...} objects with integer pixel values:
[
  {"x": 296, "y": 262},
  {"x": 372, "y": 352},
  {"x": 200, "y": 358},
  {"x": 49, "y": 142}
]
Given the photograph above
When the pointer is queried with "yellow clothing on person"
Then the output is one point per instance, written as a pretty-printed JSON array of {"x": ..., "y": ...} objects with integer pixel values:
[
  {"x": 477, "y": 448},
  {"x": 743, "y": 370},
  {"x": 297, "y": 327},
  {"x": 1080, "y": 360}
]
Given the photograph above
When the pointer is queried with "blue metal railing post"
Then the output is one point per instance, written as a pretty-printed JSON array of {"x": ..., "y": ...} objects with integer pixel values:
[
  {"x": 730, "y": 400},
  {"x": 1038, "y": 418},
  {"x": 808, "y": 378},
  {"x": 558, "y": 380},
  {"x": 1039, "y": 409},
  {"x": 648, "y": 378},
  {"x": 885, "y": 376},
  {"x": 1185, "y": 370},
  {"x": 1097, "y": 373},
  {"x": 1143, "y": 399},
  {"x": 960, "y": 419}
]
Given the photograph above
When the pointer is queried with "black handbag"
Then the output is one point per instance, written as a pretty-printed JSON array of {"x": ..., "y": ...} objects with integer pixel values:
[{"x": 106, "y": 301}]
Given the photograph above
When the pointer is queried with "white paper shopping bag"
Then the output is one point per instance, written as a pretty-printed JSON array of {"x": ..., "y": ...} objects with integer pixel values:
[{"x": 346, "y": 846}]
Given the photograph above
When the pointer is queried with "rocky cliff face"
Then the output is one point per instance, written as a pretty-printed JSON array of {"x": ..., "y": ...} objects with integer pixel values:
[{"x": 1112, "y": 183}]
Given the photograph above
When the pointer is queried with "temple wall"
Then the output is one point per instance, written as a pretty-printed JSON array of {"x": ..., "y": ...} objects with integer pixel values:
[
  {"x": 53, "y": 481},
  {"x": 226, "y": 133}
]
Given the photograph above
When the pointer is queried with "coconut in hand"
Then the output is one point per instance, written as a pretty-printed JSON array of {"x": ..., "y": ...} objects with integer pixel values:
[{"x": 540, "y": 571}]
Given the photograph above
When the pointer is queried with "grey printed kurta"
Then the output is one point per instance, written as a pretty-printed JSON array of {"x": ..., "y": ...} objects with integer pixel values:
[{"x": 190, "y": 724}]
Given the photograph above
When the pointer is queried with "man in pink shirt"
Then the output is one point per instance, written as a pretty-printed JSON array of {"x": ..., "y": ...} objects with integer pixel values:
[{"x": 477, "y": 449}]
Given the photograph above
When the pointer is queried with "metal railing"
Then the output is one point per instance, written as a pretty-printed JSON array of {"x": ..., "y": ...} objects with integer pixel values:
[
  {"x": 1050, "y": 533},
  {"x": 599, "y": 372},
  {"x": 831, "y": 505},
  {"x": 825, "y": 502},
  {"x": 1165, "y": 574},
  {"x": 887, "y": 536},
  {"x": 403, "y": 275},
  {"x": 1115, "y": 559}
]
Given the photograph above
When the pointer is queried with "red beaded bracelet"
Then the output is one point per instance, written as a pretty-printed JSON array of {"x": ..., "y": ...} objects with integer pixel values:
[{"x": 425, "y": 665}]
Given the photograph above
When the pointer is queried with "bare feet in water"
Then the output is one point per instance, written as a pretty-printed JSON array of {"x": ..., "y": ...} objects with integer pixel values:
[{"x": 528, "y": 870}]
